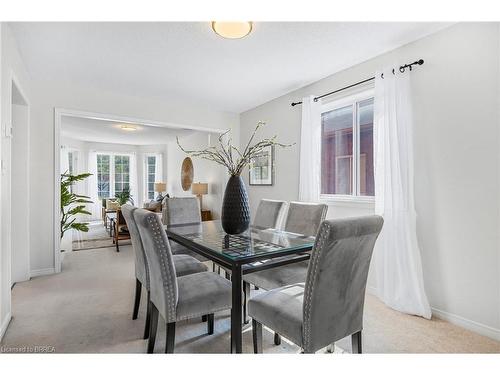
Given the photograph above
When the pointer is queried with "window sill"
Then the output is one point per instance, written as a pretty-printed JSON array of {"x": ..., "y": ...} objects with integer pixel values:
[{"x": 347, "y": 200}]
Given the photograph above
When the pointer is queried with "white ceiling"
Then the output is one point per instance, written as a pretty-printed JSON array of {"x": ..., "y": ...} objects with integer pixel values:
[
  {"x": 187, "y": 60},
  {"x": 91, "y": 130}
]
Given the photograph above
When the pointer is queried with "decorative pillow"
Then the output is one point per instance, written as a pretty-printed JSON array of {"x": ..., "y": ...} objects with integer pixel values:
[{"x": 153, "y": 206}]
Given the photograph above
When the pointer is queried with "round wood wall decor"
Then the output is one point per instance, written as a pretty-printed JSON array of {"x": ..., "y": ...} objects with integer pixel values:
[{"x": 187, "y": 174}]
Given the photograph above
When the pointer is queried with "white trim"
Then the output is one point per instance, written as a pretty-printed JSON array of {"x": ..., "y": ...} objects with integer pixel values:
[
  {"x": 133, "y": 120},
  {"x": 471, "y": 325},
  {"x": 460, "y": 321},
  {"x": 5, "y": 325},
  {"x": 56, "y": 234},
  {"x": 347, "y": 199},
  {"x": 42, "y": 272},
  {"x": 348, "y": 100}
]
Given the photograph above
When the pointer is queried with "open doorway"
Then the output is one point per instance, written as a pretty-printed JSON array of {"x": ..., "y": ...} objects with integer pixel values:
[
  {"x": 15, "y": 167},
  {"x": 124, "y": 154}
]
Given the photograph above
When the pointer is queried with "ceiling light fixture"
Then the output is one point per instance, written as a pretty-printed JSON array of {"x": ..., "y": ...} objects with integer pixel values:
[
  {"x": 232, "y": 30},
  {"x": 128, "y": 128}
]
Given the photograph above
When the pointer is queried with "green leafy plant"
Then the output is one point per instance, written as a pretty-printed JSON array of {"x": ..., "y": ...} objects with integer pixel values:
[
  {"x": 124, "y": 196},
  {"x": 73, "y": 204},
  {"x": 231, "y": 157}
]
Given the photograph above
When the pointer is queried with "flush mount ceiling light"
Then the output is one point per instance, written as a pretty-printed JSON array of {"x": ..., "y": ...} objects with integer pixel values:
[
  {"x": 128, "y": 128},
  {"x": 232, "y": 30}
]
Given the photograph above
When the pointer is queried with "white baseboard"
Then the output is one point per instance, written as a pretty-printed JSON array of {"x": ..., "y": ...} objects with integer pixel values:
[
  {"x": 482, "y": 329},
  {"x": 5, "y": 324},
  {"x": 42, "y": 272}
]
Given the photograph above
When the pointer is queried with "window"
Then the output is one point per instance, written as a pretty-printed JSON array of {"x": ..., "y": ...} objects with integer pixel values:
[
  {"x": 122, "y": 173},
  {"x": 103, "y": 176},
  {"x": 347, "y": 147},
  {"x": 113, "y": 174},
  {"x": 150, "y": 176}
]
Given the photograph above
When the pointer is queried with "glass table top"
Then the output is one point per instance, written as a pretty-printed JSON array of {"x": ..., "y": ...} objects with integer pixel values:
[{"x": 254, "y": 242}]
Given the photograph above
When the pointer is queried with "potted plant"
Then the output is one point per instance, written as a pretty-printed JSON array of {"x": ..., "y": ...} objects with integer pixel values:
[
  {"x": 72, "y": 204},
  {"x": 124, "y": 197},
  {"x": 235, "y": 216}
]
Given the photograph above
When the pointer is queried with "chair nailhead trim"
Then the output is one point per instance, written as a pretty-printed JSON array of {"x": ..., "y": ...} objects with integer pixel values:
[
  {"x": 324, "y": 233},
  {"x": 169, "y": 279}
]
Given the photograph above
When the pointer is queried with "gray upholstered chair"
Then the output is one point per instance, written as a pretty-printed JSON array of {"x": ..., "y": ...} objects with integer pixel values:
[
  {"x": 269, "y": 213},
  {"x": 329, "y": 305},
  {"x": 175, "y": 297},
  {"x": 182, "y": 210},
  {"x": 184, "y": 265},
  {"x": 303, "y": 218}
]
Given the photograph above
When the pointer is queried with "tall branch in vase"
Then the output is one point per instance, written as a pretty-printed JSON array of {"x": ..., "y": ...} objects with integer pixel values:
[{"x": 230, "y": 156}]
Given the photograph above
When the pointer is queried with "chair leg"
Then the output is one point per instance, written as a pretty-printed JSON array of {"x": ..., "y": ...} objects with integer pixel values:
[
  {"x": 116, "y": 244},
  {"x": 148, "y": 317},
  {"x": 257, "y": 336},
  {"x": 210, "y": 324},
  {"x": 227, "y": 275},
  {"x": 203, "y": 318},
  {"x": 277, "y": 339},
  {"x": 331, "y": 348},
  {"x": 256, "y": 287},
  {"x": 137, "y": 299},
  {"x": 152, "y": 328},
  {"x": 357, "y": 346},
  {"x": 246, "y": 297},
  {"x": 169, "y": 345}
]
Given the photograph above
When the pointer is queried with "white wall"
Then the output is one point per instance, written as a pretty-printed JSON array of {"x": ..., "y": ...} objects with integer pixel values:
[
  {"x": 50, "y": 95},
  {"x": 12, "y": 67},
  {"x": 204, "y": 171},
  {"x": 20, "y": 204},
  {"x": 456, "y": 164}
]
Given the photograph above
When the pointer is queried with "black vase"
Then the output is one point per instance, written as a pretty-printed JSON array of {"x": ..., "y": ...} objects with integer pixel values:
[{"x": 235, "y": 216}]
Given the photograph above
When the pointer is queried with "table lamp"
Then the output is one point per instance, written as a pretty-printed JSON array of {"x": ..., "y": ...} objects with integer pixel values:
[
  {"x": 160, "y": 187},
  {"x": 199, "y": 189}
]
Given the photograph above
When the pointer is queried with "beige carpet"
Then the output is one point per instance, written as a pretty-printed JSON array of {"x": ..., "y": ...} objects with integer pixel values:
[{"x": 87, "y": 308}]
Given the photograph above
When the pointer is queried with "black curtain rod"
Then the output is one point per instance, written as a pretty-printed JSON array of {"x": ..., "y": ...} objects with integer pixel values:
[{"x": 402, "y": 69}]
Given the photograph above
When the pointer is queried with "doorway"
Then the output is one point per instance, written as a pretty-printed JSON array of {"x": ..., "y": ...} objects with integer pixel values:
[
  {"x": 15, "y": 201},
  {"x": 118, "y": 151}
]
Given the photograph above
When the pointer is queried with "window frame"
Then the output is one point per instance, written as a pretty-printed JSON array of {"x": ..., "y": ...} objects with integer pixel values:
[
  {"x": 112, "y": 178},
  {"x": 146, "y": 174},
  {"x": 340, "y": 102}
]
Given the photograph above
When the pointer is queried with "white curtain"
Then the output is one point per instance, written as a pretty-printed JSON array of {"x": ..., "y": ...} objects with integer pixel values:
[
  {"x": 397, "y": 256},
  {"x": 159, "y": 168},
  {"x": 94, "y": 208},
  {"x": 310, "y": 149},
  {"x": 64, "y": 160}
]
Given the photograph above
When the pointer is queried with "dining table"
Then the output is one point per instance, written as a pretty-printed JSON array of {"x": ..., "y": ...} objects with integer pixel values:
[{"x": 253, "y": 250}]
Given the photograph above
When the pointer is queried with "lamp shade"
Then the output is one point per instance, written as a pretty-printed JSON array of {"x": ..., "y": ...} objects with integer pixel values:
[
  {"x": 160, "y": 187},
  {"x": 199, "y": 188}
]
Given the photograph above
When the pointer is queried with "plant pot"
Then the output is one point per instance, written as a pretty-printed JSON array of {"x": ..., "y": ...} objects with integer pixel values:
[
  {"x": 235, "y": 216},
  {"x": 67, "y": 242}
]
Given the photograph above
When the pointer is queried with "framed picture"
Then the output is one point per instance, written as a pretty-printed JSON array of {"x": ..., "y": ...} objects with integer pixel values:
[{"x": 261, "y": 171}]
